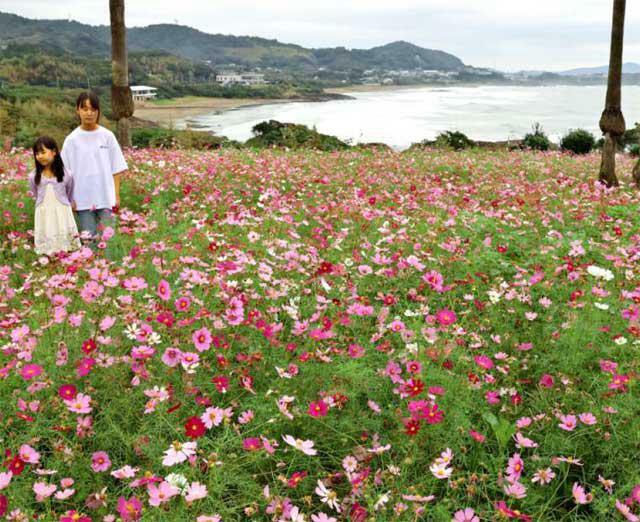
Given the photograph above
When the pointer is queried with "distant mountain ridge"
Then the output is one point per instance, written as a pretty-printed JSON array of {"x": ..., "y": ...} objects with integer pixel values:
[
  {"x": 627, "y": 68},
  {"x": 217, "y": 49}
]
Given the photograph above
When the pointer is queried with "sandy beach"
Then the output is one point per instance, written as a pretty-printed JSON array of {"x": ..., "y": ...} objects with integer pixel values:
[{"x": 168, "y": 112}]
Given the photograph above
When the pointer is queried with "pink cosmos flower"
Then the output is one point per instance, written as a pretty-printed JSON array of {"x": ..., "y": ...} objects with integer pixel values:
[
  {"x": 81, "y": 403},
  {"x": 5, "y": 479},
  {"x": 43, "y": 490},
  {"x": 514, "y": 468},
  {"x": 543, "y": 476},
  {"x": 100, "y": 461},
  {"x": 626, "y": 512},
  {"x": 568, "y": 422},
  {"x": 179, "y": 452},
  {"x": 322, "y": 517},
  {"x": 465, "y": 515},
  {"x": 202, "y": 339},
  {"x": 524, "y": 442},
  {"x": 579, "y": 494},
  {"x": 196, "y": 491},
  {"x": 515, "y": 490},
  {"x": 171, "y": 357},
  {"x": 159, "y": 494},
  {"x": 29, "y": 371},
  {"x": 587, "y": 418},
  {"x": 28, "y": 455},
  {"x": 124, "y": 472},
  {"x": 164, "y": 290},
  {"x": 483, "y": 361},
  {"x": 209, "y": 518},
  {"x": 479, "y": 437}
]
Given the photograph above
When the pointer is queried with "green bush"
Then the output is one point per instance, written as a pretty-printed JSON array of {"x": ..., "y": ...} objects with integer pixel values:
[
  {"x": 181, "y": 139},
  {"x": 536, "y": 139},
  {"x": 272, "y": 133},
  {"x": 578, "y": 141},
  {"x": 634, "y": 149},
  {"x": 454, "y": 139}
]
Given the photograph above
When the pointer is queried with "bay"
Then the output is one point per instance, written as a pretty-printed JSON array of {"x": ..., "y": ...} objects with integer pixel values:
[{"x": 405, "y": 116}]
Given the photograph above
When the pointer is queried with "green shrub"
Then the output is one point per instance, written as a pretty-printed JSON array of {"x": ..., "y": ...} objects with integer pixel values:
[
  {"x": 454, "y": 139},
  {"x": 634, "y": 149},
  {"x": 272, "y": 133},
  {"x": 578, "y": 141},
  {"x": 536, "y": 139}
]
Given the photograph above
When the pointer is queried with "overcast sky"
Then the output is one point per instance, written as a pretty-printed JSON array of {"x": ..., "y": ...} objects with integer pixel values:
[{"x": 504, "y": 34}]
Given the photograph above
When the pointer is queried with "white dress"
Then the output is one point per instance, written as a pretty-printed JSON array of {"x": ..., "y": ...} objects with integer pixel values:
[{"x": 55, "y": 228}]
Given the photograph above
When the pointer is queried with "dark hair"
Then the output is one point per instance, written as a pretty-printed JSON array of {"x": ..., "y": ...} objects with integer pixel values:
[
  {"x": 93, "y": 101},
  {"x": 57, "y": 166}
]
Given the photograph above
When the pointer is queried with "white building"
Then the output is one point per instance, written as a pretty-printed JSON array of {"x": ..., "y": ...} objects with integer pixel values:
[
  {"x": 143, "y": 92},
  {"x": 240, "y": 78}
]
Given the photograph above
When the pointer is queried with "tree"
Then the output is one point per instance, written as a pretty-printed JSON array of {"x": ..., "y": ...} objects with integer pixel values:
[
  {"x": 612, "y": 121},
  {"x": 121, "y": 99}
]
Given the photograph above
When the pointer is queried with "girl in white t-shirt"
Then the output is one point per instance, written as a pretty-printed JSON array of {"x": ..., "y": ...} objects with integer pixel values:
[
  {"x": 52, "y": 187},
  {"x": 93, "y": 154}
]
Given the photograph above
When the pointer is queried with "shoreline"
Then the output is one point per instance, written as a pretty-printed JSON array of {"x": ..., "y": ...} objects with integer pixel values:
[{"x": 179, "y": 110}]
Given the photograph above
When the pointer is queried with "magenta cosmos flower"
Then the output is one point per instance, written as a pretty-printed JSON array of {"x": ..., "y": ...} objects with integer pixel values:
[
  {"x": 100, "y": 461},
  {"x": 129, "y": 510},
  {"x": 446, "y": 317},
  {"x": 318, "y": 409},
  {"x": 29, "y": 371}
]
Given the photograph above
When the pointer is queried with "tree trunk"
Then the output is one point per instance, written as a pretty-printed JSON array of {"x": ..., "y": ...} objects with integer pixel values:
[
  {"x": 121, "y": 100},
  {"x": 636, "y": 174},
  {"x": 612, "y": 121}
]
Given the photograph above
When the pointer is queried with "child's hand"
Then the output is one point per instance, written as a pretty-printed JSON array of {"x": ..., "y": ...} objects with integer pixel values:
[{"x": 73, "y": 206}]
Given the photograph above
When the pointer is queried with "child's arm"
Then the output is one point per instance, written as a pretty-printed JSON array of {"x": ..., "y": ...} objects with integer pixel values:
[
  {"x": 32, "y": 186},
  {"x": 69, "y": 188},
  {"x": 118, "y": 166}
]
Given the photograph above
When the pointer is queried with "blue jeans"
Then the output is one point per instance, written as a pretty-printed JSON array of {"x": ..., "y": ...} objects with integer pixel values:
[{"x": 94, "y": 221}]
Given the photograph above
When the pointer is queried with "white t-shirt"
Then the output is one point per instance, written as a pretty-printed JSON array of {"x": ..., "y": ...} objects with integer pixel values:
[{"x": 93, "y": 157}]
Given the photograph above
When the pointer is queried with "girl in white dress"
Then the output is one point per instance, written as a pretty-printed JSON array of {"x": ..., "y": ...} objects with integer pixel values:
[{"x": 55, "y": 229}]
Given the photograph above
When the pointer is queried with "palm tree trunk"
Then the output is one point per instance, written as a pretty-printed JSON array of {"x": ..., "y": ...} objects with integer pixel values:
[
  {"x": 612, "y": 121},
  {"x": 121, "y": 100}
]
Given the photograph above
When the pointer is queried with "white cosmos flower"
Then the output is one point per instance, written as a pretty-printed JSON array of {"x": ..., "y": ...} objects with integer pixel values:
[{"x": 305, "y": 446}]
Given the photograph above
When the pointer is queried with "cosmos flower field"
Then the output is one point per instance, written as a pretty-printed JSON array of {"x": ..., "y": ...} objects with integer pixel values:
[{"x": 321, "y": 337}]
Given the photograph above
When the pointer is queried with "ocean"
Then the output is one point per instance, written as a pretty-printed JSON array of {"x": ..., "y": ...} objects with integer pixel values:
[{"x": 405, "y": 116}]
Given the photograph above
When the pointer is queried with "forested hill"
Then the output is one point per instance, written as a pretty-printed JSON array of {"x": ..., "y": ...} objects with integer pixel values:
[{"x": 186, "y": 42}]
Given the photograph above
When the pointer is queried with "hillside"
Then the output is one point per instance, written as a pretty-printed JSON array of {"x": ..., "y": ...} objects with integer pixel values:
[{"x": 186, "y": 42}]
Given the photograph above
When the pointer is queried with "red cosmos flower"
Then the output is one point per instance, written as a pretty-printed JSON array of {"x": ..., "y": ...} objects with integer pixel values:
[
  {"x": 166, "y": 318},
  {"x": 67, "y": 391},
  {"x": 296, "y": 478},
  {"x": 412, "y": 427},
  {"x": 89, "y": 346},
  {"x": 358, "y": 513},
  {"x": 501, "y": 249},
  {"x": 194, "y": 427},
  {"x": 221, "y": 382},
  {"x": 3, "y": 505},
  {"x": 413, "y": 387},
  {"x": 318, "y": 409},
  {"x": 16, "y": 466},
  {"x": 433, "y": 415},
  {"x": 325, "y": 268}
]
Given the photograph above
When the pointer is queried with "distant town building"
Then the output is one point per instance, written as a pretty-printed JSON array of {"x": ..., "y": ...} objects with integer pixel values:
[
  {"x": 251, "y": 78},
  {"x": 143, "y": 92}
]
